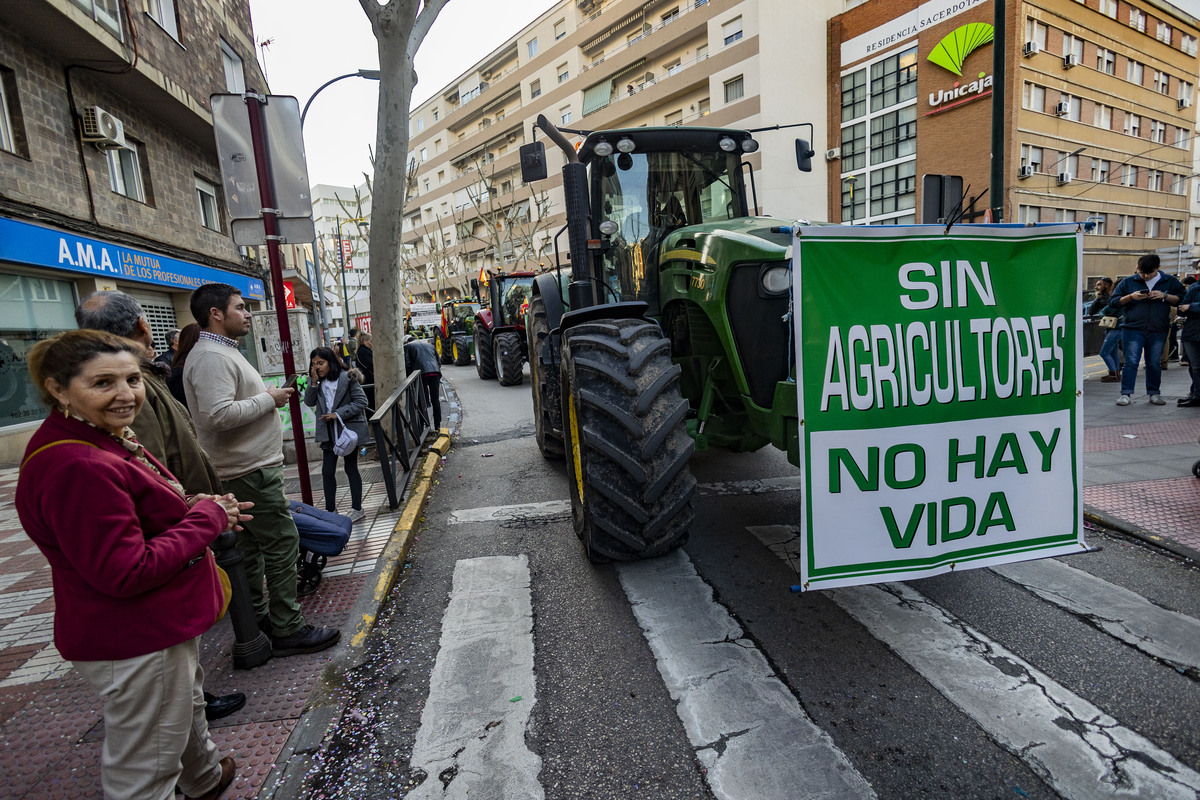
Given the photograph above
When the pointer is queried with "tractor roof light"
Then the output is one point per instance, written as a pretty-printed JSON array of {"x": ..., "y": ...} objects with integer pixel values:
[
  {"x": 749, "y": 145},
  {"x": 603, "y": 148},
  {"x": 626, "y": 145},
  {"x": 608, "y": 227},
  {"x": 727, "y": 144}
]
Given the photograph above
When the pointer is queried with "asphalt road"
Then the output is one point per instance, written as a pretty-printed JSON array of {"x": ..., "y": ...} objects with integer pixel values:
[{"x": 506, "y": 665}]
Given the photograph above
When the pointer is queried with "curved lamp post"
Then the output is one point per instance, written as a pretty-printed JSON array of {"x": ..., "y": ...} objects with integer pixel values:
[{"x": 369, "y": 74}]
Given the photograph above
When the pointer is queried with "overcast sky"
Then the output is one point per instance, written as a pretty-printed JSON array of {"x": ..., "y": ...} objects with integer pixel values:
[{"x": 311, "y": 41}]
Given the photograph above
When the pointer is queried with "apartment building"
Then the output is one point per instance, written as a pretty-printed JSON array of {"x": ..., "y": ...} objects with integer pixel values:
[
  {"x": 108, "y": 169},
  {"x": 341, "y": 215},
  {"x": 589, "y": 65},
  {"x": 1099, "y": 123}
]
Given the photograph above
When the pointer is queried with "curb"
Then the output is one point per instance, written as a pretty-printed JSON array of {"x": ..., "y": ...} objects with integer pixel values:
[
  {"x": 325, "y": 704},
  {"x": 1098, "y": 517}
]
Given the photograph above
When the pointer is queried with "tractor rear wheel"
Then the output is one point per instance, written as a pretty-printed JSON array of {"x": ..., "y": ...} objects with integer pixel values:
[
  {"x": 460, "y": 351},
  {"x": 510, "y": 358},
  {"x": 545, "y": 381},
  {"x": 483, "y": 355},
  {"x": 625, "y": 433},
  {"x": 443, "y": 354}
]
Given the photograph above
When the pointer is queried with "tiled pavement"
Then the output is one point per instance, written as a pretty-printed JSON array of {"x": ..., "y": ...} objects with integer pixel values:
[{"x": 1137, "y": 475}]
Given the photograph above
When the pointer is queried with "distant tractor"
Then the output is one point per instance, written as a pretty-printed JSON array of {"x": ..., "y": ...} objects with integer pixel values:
[
  {"x": 677, "y": 330},
  {"x": 455, "y": 340},
  {"x": 500, "y": 328}
]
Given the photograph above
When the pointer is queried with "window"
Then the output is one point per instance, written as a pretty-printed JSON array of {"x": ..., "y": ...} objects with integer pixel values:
[
  {"x": 163, "y": 12},
  {"x": 206, "y": 196},
  {"x": 12, "y": 138},
  {"x": 125, "y": 172},
  {"x": 894, "y": 79},
  {"x": 854, "y": 197},
  {"x": 1035, "y": 97},
  {"x": 670, "y": 16},
  {"x": 563, "y": 73},
  {"x": 1137, "y": 19},
  {"x": 1129, "y": 175},
  {"x": 560, "y": 29},
  {"x": 894, "y": 188},
  {"x": 674, "y": 118},
  {"x": 1074, "y": 106},
  {"x": 105, "y": 12},
  {"x": 894, "y": 135},
  {"x": 425, "y": 182},
  {"x": 1031, "y": 156},
  {"x": 1135, "y": 72},
  {"x": 1176, "y": 231},
  {"x": 1068, "y": 163},
  {"x": 734, "y": 89},
  {"x": 1163, "y": 32},
  {"x": 1158, "y": 131},
  {"x": 1133, "y": 124},
  {"x": 441, "y": 176},
  {"x": 1162, "y": 82},
  {"x": 531, "y": 47},
  {"x": 235, "y": 76},
  {"x": 703, "y": 107},
  {"x": 1100, "y": 168},
  {"x": 1073, "y": 45},
  {"x": 1106, "y": 61},
  {"x": 673, "y": 68},
  {"x": 1102, "y": 117},
  {"x": 1181, "y": 137},
  {"x": 435, "y": 115},
  {"x": 854, "y": 95},
  {"x": 1125, "y": 225},
  {"x": 1187, "y": 44},
  {"x": 732, "y": 31},
  {"x": 1154, "y": 180},
  {"x": 1185, "y": 93},
  {"x": 1151, "y": 227},
  {"x": 702, "y": 52},
  {"x": 535, "y": 89},
  {"x": 424, "y": 154},
  {"x": 1035, "y": 32},
  {"x": 420, "y": 126},
  {"x": 437, "y": 145},
  {"x": 854, "y": 146},
  {"x": 566, "y": 114},
  {"x": 1109, "y": 8}
]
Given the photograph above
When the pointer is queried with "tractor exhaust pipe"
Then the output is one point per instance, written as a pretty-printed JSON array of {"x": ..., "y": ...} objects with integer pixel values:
[{"x": 575, "y": 196}]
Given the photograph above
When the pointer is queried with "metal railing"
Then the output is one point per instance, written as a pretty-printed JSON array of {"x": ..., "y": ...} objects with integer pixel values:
[{"x": 399, "y": 428}]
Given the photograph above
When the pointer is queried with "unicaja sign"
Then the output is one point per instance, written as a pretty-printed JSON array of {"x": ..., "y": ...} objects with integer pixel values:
[{"x": 950, "y": 53}]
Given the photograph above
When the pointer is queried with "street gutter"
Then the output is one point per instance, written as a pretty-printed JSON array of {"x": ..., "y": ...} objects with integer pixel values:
[{"x": 1097, "y": 517}]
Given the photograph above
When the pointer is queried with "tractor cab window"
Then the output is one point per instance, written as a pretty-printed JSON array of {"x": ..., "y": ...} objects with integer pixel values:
[
  {"x": 514, "y": 296},
  {"x": 648, "y": 195},
  {"x": 465, "y": 311}
]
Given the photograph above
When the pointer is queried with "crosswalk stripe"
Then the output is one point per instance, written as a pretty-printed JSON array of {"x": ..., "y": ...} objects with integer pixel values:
[
  {"x": 749, "y": 731},
  {"x": 1123, "y": 614},
  {"x": 482, "y": 688},
  {"x": 1072, "y": 745}
]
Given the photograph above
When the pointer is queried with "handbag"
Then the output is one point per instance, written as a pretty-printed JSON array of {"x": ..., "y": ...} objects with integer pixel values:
[
  {"x": 1108, "y": 321},
  {"x": 346, "y": 440},
  {"x": 226, "y": 591}
]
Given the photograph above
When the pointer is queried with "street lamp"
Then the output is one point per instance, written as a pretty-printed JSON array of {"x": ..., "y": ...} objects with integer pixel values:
[
  {"x": 360, "y": 221},
  {"x": 369, "y": 74}
]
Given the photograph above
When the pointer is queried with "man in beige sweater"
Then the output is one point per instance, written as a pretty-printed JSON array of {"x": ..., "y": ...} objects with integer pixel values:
[{"x": 237, "y": 423}]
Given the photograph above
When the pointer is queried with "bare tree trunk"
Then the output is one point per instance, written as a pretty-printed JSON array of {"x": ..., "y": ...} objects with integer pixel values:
[{"x": 399, "y": 27}]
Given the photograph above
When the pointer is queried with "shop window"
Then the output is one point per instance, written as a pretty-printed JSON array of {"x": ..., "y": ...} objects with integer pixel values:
[
  {"x": 206, "y": 196},
  {"x": 894, "y": 80},
  {"x": 163, "y": 12},
  {"x": 31, "y": 309}
]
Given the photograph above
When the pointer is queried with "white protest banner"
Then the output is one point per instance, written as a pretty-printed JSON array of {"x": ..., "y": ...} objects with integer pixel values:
[
  {"x": 424, "y": 314},
  {"x": 939, "y": 379}
]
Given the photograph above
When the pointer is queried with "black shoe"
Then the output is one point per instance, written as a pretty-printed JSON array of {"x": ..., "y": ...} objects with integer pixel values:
[
  {"x": 222, "y": 706},
  {"x": 1188, "y": 402},
  {"x": 306, "y": 640}
]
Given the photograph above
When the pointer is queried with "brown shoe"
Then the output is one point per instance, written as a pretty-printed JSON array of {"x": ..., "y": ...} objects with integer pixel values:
[
  {"x": 228, "y": 773},
  {"x": 1110, "y": 378}
]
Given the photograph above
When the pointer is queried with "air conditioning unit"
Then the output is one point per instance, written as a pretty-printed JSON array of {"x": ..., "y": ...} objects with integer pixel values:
[
  {"x": 1064, "y": 178},
  {"x": 1070, "y": 60},
  {"x": 1025, "y": 171},
  {"x": 834, "y": 154},
  {"x": 1061, "y": 110},
  {"x": 102, "y": 128},
  {"x": 1184, "y": 102},
  {"x": 1031, "y": 49}
]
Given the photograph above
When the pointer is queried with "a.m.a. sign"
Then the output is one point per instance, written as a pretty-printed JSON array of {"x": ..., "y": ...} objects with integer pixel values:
[{"x": 938, "y": 378}]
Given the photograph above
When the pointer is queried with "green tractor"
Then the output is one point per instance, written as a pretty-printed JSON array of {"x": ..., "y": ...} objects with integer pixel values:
[
  {"x": 500, "y": 351},
  {"x": 455, "y": 339},
  {"x": 674, "y": 334}
]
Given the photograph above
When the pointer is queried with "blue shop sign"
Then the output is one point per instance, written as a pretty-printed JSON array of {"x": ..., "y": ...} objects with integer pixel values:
[{"x": 26, "y": 243}]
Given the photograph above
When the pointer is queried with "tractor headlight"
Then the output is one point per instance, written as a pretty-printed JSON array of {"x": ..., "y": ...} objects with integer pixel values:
[
  {"x": 626, "y": 145},
  {"x": 608, "y": 227},
  {"x": 775, "y": 280},
  {"x": 603, "y": 148},
  {"x": 749, "y": 145},
  {"x": 727, "y": 144}
]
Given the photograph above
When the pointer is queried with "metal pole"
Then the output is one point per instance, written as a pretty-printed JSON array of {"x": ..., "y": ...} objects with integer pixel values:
[
  {"x": 342, "y": 266},
  {"x": 996, "y": 199},
  {"x": 258, "y": 134},
  {"x": 319, "y": 284}
]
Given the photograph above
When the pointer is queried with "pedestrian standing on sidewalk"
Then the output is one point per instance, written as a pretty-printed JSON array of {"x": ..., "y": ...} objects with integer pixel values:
[
  {"x": 366, "y": 365},
  {"x": 419, "y": 355},
  {"x": 1146, "y": 299},
  {"x": 336, "y": 393},
  {"x": 1112, "y": 339},
  {"x": 1189, "y": 337},
  {"x": 237, "y": 422},
  {"x": 135, "y": 584}
]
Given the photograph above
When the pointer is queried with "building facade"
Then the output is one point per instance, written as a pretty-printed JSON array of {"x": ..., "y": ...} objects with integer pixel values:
[
  {"x": 341, "y": 215},
  {"x": 589, "y": 65},
  {"x": 1098, "y": 126},
  {"x": 108, "y": 169}
]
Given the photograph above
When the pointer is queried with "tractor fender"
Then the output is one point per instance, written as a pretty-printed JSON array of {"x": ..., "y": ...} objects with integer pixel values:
[
  {"x": 484, "y": 319},
  {"x": 547, "y": 286},
  {"x": 634, "y": 309}
]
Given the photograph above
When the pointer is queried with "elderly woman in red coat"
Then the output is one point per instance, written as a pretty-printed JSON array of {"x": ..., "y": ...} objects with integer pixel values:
[{"x": 134, "y": 581}]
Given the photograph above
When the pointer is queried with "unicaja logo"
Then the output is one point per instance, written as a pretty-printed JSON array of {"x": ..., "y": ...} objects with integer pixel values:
[{"x": 952, "y": 51}]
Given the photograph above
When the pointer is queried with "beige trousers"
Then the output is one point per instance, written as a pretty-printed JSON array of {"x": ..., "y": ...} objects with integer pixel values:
[{"x": 155, "y": 733}]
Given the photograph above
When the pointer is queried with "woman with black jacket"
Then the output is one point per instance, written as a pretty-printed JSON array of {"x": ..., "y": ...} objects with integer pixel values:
[{"x": 335, "y": 391}]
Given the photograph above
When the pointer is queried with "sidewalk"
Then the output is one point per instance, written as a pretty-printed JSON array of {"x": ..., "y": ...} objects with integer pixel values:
[{"x": 1137, "y": 476}]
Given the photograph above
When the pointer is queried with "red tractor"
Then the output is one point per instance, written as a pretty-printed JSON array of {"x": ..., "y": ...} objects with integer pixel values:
[{"x": 500, "y": 350}]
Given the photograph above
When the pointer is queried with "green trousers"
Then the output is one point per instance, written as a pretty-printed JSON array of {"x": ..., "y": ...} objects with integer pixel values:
[{"x": 271, "y": 546}]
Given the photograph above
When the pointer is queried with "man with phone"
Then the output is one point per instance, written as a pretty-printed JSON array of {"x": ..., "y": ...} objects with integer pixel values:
[{"x": 1146, "y": 298}]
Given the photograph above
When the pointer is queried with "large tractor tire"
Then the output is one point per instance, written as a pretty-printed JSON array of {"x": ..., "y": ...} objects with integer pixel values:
[
  {"x": 484, "y": 365},
  {"x": 625, "y": 433},
  {"x": 546, "y": 383},
  {"x": 510, "y": 358},
  {"x": 442, "y": 348},
  {"x": 460, "y": 351}
]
